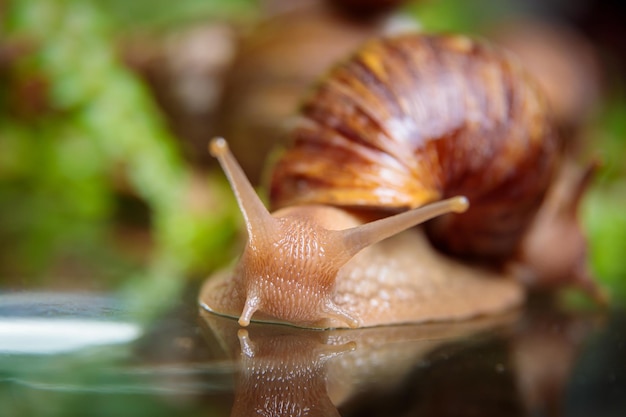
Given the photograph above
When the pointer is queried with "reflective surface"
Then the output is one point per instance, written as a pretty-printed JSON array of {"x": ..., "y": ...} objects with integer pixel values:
[{"x": 70, "y": 354}]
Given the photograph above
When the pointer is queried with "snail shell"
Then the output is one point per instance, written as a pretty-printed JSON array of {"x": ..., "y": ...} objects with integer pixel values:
[{"x": 417, "y": 118}]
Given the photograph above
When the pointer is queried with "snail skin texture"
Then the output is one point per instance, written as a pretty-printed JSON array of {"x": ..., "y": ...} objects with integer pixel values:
[{"x": 409, "y": 122}]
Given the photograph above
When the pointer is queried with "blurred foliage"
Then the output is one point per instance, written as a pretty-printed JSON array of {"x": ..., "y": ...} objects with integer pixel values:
[
  {"x": 459, "y": 15},
  {"x": 608, "y": 136},
  {"x": 130, "y": 15},
  {"x": 73, "y": 120},
  {"x": 604, "y": 211},
  {"x": 606, "y": 224}
]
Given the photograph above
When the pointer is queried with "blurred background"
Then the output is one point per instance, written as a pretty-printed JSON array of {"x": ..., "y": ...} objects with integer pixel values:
[{"x": 107, "y": 107}]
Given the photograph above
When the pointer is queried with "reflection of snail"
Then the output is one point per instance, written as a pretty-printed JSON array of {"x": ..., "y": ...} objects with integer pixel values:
[
  {"x": 285, "y": 375},
  {"x": 407, "y": 121},
  {"x": 288, "y": 371}
]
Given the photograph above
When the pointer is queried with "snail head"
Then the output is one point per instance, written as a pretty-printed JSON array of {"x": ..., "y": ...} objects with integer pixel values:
[{"x": 290, "y": 263}]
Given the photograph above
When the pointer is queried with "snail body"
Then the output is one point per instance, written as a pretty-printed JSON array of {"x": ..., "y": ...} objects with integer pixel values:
[{"x": 412, "y": 122}]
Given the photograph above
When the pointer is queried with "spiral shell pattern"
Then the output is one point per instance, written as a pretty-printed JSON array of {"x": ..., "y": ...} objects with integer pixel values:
[{"x": 411, "y": 119}]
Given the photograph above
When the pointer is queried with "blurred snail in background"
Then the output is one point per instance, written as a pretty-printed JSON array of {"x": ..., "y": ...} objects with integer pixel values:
[
  {"x": 564, "y": 64},
  {"x": 414, "y": 126},
  {"x": 279, "y": 58},
  {"x": 568, "y": 69}
]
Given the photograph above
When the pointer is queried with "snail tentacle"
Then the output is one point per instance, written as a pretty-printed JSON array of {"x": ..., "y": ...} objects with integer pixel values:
[
  {"x": 367, "y": 234},
  {"x": 257, "y": 218}
]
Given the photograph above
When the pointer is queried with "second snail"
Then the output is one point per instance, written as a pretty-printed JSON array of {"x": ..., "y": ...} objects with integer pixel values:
[{"x": 409, "y": 128}]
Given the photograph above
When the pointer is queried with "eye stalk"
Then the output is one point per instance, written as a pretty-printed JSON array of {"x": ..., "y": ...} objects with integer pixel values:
[{"x": 290, "y": 263}]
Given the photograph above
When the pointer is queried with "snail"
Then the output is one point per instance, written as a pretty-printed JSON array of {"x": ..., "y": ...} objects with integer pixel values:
[
  {"x": 563, "y": 62},
  {"x": 414, "y": 125}
]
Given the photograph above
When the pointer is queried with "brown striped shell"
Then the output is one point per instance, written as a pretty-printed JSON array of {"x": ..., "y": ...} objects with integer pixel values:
[{"x": 416, "y": 118}]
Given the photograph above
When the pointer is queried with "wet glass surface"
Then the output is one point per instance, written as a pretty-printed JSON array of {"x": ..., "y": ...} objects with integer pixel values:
[{"x": 71, "y": 355}]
